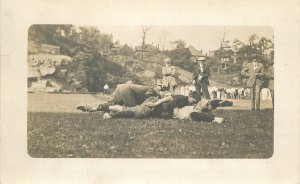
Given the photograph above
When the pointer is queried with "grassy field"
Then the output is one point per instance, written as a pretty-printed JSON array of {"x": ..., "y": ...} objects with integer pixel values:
[{"x": 56, "y": 129}]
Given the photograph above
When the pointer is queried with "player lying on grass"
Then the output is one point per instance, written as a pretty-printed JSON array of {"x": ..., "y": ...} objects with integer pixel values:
[
  {"x": 202, "y": 110},
  {"x": 171, "y": 107},
  {"x": 151, "y": 107},
  {"x": 129, "y": 95},
  {"x": 146, "y": 109},
  {"x": 132, "y": 95}
]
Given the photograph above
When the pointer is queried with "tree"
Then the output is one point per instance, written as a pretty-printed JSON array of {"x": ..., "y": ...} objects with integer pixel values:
[
  {"x": 266, "y": 47},
  {"x": 236, "y": 45},
  {"x": 89, "y": 68},
  {"x": 253, "y": 39},
  {"x": 126, "y": 50},
  {"x": 181, "y": 56},
  {"x": 145, "y": 30},
  {"x": 179, "y": 44}
]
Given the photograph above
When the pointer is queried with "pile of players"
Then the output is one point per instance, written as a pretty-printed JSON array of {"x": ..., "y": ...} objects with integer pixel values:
[{"x": 137, "y": 101}]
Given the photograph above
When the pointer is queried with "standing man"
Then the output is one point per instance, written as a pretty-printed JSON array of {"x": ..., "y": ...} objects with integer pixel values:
[
  {"x": 270, "y": 76},
  {"x": 200, "y": 76},
  {"x": 168, "y": 71},
  {"x": 106, "y": 89},
  {"x": 254, "y": 71}
]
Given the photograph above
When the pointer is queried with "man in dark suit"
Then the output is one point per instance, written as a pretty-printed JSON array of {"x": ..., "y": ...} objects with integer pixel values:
[
  {"x": 270, "y": 77},
  {"x": 200, "y": 76},
  {"x": 254, "y": 71}
]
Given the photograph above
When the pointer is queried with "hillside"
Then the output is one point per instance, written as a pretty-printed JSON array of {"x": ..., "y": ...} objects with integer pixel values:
[
  {"x": 149, "y": 70},
  {"x": 66, "y": 58}
]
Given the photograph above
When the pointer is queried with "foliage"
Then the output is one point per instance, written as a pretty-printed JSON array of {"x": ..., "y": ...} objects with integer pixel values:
[
  {"x": 126, "y": 50},
  {"x": 181, "y": 57},
  {"x": 239, "y": 53},
  {"x": 85, "y": 44},
  {"x": 179, "y": 44}
]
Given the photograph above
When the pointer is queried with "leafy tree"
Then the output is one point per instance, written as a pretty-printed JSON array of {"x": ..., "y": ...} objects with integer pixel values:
[
  {"x": 89, "y": 68},
  {"x": 181, "y": 56},
  {"x": 126, "y": 50},
  {"x": 179, "y": 44}
]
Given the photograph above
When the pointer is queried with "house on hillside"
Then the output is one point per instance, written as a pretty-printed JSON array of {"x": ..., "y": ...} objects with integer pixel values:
[
  {"x": 195, "y": 52},
  {"x": 115, "y": 48},
  {"x": 226, "y": 60},
  {"x": 211, "y": 53}
]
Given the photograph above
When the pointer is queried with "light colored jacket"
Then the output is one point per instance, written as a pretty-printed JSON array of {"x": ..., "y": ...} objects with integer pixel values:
[
  {"x": 253, "y": 75},
  {"x": 168, "y": 76}
]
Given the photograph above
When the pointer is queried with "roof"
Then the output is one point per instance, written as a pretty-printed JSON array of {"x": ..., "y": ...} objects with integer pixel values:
[{"x": 194, "y": 51}]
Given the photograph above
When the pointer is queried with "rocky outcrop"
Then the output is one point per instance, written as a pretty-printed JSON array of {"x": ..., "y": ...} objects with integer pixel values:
[{"x": 41, "y": 68}]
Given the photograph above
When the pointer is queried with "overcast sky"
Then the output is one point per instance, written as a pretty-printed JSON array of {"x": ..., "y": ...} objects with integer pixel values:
[{"x": 201, "y": 37}]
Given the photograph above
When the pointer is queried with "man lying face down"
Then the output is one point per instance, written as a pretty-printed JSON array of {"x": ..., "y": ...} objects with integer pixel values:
[{"x": 153, "y": 106}]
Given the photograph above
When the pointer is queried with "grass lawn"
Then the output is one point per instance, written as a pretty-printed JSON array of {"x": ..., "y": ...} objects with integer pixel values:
[
  {"x": 56, "y": 129},
  {"x": 88, "y": 135}
]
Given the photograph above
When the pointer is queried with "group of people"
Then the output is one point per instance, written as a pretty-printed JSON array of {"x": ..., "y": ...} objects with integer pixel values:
[
  {"x": 138, "y": 101},
  {"x": 200, "y": 76},
  {"x": 254, "y": 73}
]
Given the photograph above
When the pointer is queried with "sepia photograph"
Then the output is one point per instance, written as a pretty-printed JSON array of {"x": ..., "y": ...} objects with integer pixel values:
[{"x": 150, "y": 91}]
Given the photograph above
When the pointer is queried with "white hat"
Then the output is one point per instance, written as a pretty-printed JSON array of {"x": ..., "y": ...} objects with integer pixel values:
[
  {"x": 167, "y": 60},
  {"x": 201, "y": 58}
]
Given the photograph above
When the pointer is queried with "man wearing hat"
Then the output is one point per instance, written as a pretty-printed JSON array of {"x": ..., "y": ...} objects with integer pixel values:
[
  {"x": 168, "y": 71},
  {"x": 200, "y": 76},
  {"x": 254, "y": 71}
]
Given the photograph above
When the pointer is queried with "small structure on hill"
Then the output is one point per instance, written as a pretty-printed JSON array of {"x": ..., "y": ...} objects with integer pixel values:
[{"x": 195, "y": 53}]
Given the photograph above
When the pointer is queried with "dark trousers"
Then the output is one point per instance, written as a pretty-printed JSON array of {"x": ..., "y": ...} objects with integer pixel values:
[
  {"x": 203, "y": 86},
  {"x": 202, "y": 116},
  {"x": 255, "y": 96}
]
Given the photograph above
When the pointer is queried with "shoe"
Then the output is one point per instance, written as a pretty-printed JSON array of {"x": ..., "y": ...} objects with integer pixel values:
[
  {"x": 218, "y": 120},
  {"x": 106, "y": 116},
  {"x": 103, "y": 107},
  {"x": 83, "y": 108},
  {"x": 86, "y": 108},
  {"x": 226, "y": 103}
]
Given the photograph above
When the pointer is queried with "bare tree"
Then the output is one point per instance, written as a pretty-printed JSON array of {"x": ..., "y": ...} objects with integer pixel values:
[
  {"x": 223, "y": 39},
  {"x": 145, "y": 30},
  {"x": 236, "y": 45}
]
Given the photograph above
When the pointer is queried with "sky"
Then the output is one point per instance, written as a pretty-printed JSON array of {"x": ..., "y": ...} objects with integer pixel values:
[{"x": 201, "y": 37}]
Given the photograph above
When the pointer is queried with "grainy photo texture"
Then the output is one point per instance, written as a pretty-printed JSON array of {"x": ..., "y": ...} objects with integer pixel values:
[{"x": 150, "y": 91}]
